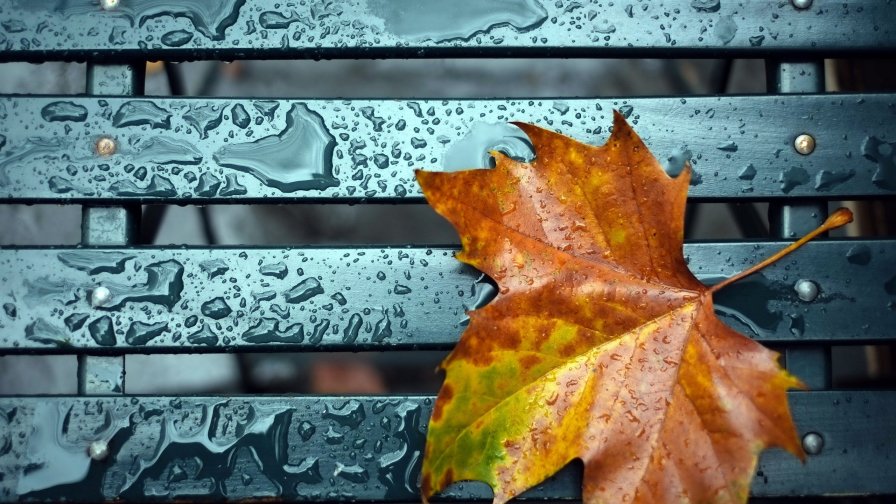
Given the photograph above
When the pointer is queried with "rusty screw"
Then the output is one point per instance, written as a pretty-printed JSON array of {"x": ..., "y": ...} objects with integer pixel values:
[
  {"x": 806, "y": 290},
  {"x": 813, "y": 443},
  {"x": 100, "y": 296},
  {"x": 804, "y": 144},
  {"x": 106, "y": 146},
  {"x": 98, "y": 450}
]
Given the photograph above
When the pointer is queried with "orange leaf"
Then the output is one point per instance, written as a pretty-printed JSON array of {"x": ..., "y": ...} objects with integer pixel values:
[{"x": 601, "y": 346}]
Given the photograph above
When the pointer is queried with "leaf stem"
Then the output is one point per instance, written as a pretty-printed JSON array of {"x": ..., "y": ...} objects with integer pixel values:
[{"x": 839, "y": 218}]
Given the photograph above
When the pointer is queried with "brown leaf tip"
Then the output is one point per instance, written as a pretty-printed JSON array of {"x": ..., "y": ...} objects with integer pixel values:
[{"x": 840, "y": 217}]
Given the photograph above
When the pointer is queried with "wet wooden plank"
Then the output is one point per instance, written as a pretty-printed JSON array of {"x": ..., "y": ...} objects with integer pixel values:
[
  {"x": 120, "y": 300},
  {"x": 238, "y": 151},
  {"x": 340, "y": 449},
  {"x": 237, "y": 29}
]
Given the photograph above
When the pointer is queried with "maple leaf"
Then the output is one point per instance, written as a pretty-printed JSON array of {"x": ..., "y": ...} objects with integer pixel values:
[{"x": 601, "y": 345}]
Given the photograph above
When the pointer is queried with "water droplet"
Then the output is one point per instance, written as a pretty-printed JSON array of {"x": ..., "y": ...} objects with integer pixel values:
[
  {"x": 401, "y": 289},
  {"x": 216, "y": 308},
  {"x": 267, "y": 108},
  {"x": 382, "y": 329},
  {"x": 561, "y": 107},
  {"x": 102, "y": 331},
  {"x": 320, "y": 329},
  {"x": 211, "y": 19},
  {"x": 32, "y": 148},
  {"x": 676, "y": 161},
  {"x": 273, "y": 20},
  {"x": 353, "y": 473},
  {"x": 230, "y": 420},
  {"x": 747, "y": 173},
  {"x": 459, "y": 20},
  {"x": 141, "y": 333},
  {"x": 604, "y": 27},
  {"x": 95, "y": 262},
  {"x": 177, "y": 38},
  {"x": 792, "y": 177},
  {"x": 204, "y": 118},
  {"x": 306, "y": 430},
  {"x": 331, "y": 437},
  {"x": 142, "y": 112},
  {"x": 472, "y": 151},
  {"x": 268, "y": 330},
  {"x": 725, "y": 29},
  {"x": 827, "y": 180},
  {"x": 747, "y": 303},
  {"x": 890, "y": 286},
  {"x": 303, "y": 291},
  {"x": 308, "y": 471},
  {"x": 276, "y": 270},
  {"x": 859, "y": 254},
  {"x": 232, "y": 186},
  {"x": 164, "y": 151},
  {"x": 706, "y": 5},
  {"x": 368, "y": 113},
  {"x": 64, "y": 111},
  {"x": 117, "y": 35},
  {"x": 728, "y": 146},
  {"x": 213, "y": 268},
  {"x": 298, "y": 158},
  {"x": 797, "y": 324},
  {"x": 239, "y": 116},
  {"x": 163, "y": 286},
  {"x": 350, "y": 334},
  {"x": 208, "y": 185},
  {"x": 10, "y": 310},
  {"x": 43, "y": 331},
  {"x": 350, "y": 414},
  {"x": 884, "y": 154},
  {"x": 158, "y": 186}
]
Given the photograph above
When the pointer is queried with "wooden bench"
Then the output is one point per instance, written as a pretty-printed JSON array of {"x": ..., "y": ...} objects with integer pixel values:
[{"x": 113, "y": 150}]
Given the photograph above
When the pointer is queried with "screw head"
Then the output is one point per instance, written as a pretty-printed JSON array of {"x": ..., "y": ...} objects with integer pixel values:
[
  {"x": 106, "y": 146},
  {"x": 813, "y": 443},
  {"x": 98, "y": 450},
  {"x": 806, "y": 290},
  {"x": 804, "y": 144},
  {"x": 100, "y": 296},
  {"x": 109, "y": 4},
  {"x": 801, "y": 4}
]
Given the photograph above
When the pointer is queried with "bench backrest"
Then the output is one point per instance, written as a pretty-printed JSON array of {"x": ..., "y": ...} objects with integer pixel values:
[{"x": 113, "y": 150}]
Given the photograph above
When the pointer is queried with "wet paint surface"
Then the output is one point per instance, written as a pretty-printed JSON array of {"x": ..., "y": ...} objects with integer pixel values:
[{"x": 366, "y": 150}]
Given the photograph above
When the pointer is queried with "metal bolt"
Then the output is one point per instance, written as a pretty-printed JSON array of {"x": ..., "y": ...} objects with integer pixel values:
[
  {"x": 98, "y": 450},
  {"x": 100, "y": 296},
  {"x": 111, "y": 4},
  {"x": 804, "y": 144},
  {"x": 807, "y": 290},
  {"x": 813, "y": 443},
  {"x": 801, "y": 4},
  {"x": 106, "y": 146}
]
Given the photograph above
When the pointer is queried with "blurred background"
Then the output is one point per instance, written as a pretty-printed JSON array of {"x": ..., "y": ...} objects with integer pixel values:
[{"x": 855, "y": 366}]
